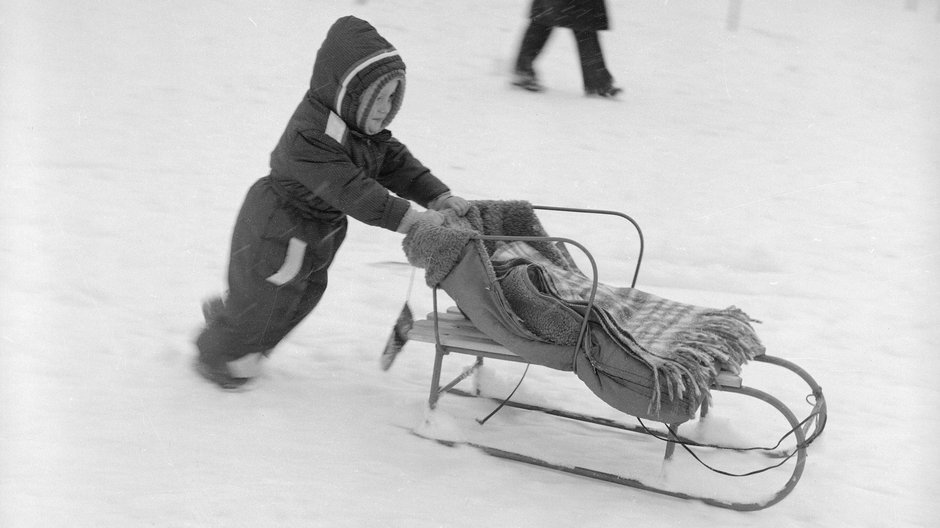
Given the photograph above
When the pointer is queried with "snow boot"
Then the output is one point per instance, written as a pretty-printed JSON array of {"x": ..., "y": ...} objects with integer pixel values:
[
  {"x": 527, "y": 81},
  {"x": 227, "y": 374},
  {"x": 605, "y": 91},
  {"x": 218, "y": 372}
]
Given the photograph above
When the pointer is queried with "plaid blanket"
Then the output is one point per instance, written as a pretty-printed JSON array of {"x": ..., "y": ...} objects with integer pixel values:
[{"x": 684, "y": 345}]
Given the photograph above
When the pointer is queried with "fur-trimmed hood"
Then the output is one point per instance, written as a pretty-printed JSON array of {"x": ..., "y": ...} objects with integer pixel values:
[{"x": 352, "y": 57}]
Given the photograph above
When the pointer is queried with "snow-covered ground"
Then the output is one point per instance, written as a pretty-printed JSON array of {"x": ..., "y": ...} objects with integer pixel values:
[{"x": 789, "y": 168}]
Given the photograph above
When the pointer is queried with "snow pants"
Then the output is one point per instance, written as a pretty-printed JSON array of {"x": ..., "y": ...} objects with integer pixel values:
[
  {"x": 276, "y": 276},
  {"x": 594, "y": 71}
]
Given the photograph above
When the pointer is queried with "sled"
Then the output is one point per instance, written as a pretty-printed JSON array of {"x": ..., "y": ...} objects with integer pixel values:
[{"x": 452, "y": 332}]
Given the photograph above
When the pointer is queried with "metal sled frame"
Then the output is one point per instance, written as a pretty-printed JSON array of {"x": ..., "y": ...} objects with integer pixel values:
[{"x": 451, "y": 333}]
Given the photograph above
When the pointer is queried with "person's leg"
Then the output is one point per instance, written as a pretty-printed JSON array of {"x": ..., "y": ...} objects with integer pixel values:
[
  {"x": 292, "y": 291},
  {"x": 594, "y": 73},
  {"x": 328, "y": 238},
  {"x": 277, "y": 274},
  {"x": 534, "y": 39}
]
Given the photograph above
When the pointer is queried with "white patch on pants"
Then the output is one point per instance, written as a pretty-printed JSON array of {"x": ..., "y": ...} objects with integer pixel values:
[{"x": 296, "y": 249}]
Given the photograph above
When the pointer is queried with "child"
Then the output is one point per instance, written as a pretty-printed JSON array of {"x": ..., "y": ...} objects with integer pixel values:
[{"x": 334, "y": 159}]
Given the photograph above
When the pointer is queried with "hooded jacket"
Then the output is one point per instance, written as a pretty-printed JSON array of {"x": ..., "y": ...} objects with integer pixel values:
[{"x": 324, "y": 165}]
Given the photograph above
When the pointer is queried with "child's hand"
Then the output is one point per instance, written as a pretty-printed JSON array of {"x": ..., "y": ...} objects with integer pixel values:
[
  {"x": 431, "y": 218},
  {"x": 456, "y": 204},
  {"x": 412, "y": 217}
]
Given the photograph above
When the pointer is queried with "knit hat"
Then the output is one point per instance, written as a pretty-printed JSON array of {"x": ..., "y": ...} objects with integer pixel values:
[{"x": 368, "y": 97}]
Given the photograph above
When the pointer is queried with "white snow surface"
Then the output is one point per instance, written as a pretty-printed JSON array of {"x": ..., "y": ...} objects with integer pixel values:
[{"x": 788, "y": 168}]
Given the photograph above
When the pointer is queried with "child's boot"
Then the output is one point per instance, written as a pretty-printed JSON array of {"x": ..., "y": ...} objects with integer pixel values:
[{"x": 218, "y": 371}]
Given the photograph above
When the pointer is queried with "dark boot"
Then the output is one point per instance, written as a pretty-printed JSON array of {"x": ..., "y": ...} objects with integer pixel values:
[
  {"x": 527, "y": 81},
  {"x": 597, "y": 80},
  {"x": 217, "y": 371},
  {"x": 606, "y": 91},
  {"x": 212, "y": 367}
]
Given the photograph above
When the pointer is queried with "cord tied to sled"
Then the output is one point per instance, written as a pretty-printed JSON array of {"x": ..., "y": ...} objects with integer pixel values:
[
  {"x": 818, "y": 413},
  {"x": 482, "y": 421}
]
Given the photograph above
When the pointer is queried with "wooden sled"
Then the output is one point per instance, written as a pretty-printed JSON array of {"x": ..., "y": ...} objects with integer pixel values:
[{"x": 451, "y": 332}]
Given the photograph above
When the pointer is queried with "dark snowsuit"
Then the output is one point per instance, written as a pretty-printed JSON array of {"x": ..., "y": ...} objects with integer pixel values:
[
  {"x": 293, "y": 221},
  {"x": 585, "y": 18}
]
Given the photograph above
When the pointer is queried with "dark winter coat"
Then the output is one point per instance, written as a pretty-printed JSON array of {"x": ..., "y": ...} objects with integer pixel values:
[
  {"x": 574, "y": 14},
  {"x": 326, "y": 168}
]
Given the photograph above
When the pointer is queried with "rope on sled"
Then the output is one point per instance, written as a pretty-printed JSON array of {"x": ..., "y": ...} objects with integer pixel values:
[
  {"x": 687, "y": 443},
  {"x": 483, "y": 420}
]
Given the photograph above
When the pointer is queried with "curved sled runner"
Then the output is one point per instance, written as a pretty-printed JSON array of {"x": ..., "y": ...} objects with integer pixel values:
[{"x": 486, "y": 324}]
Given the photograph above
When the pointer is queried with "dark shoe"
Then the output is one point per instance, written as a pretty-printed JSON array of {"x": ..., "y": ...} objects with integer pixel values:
[
  {"x": 607, "y": 91},
  {"x": 219, "y": 373},
  {"x": 527, "y": 81}
]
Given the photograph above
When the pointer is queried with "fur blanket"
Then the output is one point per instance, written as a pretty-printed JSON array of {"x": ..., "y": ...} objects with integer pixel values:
[
  {"x": 685, "y": 346},
  {"x": 436, "y": 249}
]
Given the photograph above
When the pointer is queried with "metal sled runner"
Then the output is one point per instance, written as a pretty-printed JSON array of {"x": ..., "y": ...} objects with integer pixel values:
[{"x": 452, "y": 332}]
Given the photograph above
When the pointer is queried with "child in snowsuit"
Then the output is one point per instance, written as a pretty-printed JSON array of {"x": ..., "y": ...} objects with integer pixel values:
[{"x": 335, "y": 158}]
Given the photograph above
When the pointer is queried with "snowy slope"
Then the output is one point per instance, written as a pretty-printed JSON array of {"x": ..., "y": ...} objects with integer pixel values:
[{"x": 788, "y": 168}]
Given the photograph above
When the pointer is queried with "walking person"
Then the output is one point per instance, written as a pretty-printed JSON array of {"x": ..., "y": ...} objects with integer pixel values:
[
  {"x": 335, "y": 159},
  {"x": 585, "y": 18}
]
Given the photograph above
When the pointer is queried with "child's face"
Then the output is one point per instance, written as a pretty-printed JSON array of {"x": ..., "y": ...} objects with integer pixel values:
[{"x": 381, "y": 108}]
